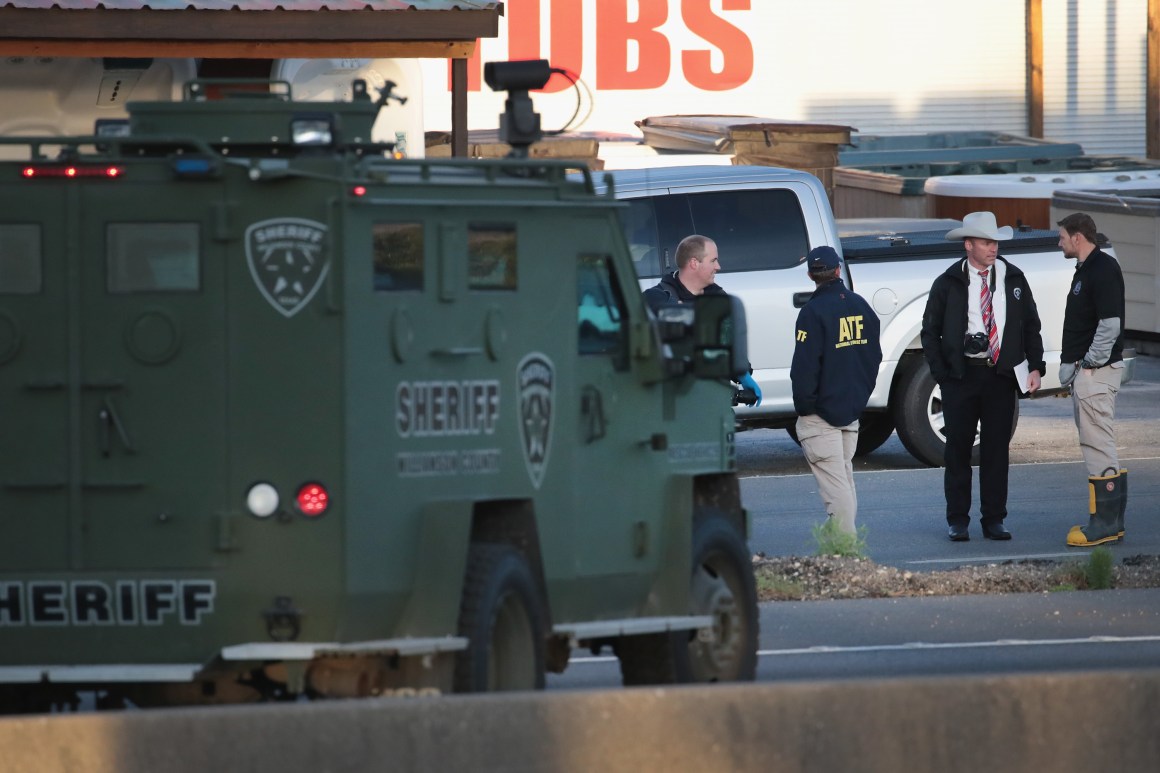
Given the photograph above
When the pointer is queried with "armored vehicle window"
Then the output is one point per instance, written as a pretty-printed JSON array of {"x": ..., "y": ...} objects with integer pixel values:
[
  {"x": 754, "y": 229},
  {"x": 20, "y": 259},
  {"x": 600, "y": 306},
  {"x": 491, "y": 257},
  {"x": 398, "y": 256},
  {"x": 153, "y": 257}
]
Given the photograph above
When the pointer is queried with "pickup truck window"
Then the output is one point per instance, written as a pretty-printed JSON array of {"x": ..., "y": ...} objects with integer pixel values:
[
  {"x": 20, "y": 271},
  {"x": 755, "y": 229}
]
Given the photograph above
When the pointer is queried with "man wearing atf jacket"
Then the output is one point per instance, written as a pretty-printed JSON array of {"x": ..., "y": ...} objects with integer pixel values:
[
  {"x": 835, "y": 366},
  {"x": 980, "y": 325}
]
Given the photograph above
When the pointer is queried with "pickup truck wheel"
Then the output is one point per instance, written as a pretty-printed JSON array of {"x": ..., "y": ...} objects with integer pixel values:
[
  {"x": 502, "y": 618},
  {"x": 874, "y": 429},
  {"x": 918, "y": 415},
  {"x": 723, "y": 587}
]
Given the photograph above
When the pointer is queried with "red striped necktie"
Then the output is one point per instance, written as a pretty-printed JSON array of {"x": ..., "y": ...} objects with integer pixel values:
[{"x": 989, "y": 318}]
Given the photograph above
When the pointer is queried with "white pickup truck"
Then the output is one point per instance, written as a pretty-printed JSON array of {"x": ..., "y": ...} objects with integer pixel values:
[{"x": 764, "y": 221}]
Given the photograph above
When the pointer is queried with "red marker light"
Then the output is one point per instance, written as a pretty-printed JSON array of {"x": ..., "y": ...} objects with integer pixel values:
[
  {"x": 313, "y": 500},
  {"x": 359, "y": 190},
  {"x": 74, "y": 172}
]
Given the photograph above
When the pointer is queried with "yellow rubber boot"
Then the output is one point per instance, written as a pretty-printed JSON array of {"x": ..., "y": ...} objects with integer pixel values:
[{"x": 1105, "y": 497}]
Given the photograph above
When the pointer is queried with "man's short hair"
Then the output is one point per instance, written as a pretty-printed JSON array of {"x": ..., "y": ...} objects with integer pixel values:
[
  {"x": 1080, "y": 223},
  {"x": 691, "y": 247},
  {"x": 824, "y": 275}
]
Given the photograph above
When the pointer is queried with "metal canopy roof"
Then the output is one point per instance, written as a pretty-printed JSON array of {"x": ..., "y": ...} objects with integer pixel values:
[{"x": 257, "y": 29}]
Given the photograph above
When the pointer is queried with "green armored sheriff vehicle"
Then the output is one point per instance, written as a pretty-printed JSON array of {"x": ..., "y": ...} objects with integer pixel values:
[{"x": 282, "y": 414}]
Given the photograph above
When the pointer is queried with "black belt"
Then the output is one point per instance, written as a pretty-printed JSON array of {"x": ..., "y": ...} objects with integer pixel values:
[{"x": 979, "y": 361}]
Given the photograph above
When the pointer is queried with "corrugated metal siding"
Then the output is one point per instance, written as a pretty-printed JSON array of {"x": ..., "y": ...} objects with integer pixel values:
[
  {"x": 256, "y": 5},
  {"x": 1094, "y": 71},
  {"x": 979, "y": 59}
]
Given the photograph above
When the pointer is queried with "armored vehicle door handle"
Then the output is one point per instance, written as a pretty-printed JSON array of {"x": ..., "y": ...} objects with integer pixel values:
[
  {"x": 47, "y": 385},
  {"x": 458, "y": 351},
  {"x": 801, "y": 299},
  {"x": 103, "y": 385},
  {"x": 592, "y": 413},
  {"x": 109, "y": 420}
]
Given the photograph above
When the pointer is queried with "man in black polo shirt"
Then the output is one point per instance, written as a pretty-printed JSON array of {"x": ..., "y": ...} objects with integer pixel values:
[{"x": 1091, "y": 363}]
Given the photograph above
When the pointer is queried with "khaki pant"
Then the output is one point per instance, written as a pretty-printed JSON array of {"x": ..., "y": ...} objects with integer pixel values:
[
  {"x": 1093, "y": 395},
  {"x": 829, "y": 451}
]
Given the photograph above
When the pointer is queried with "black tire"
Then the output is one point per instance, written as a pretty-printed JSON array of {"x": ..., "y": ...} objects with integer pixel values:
[
  {"x": 503, "y": 619},
  {"x": 723, "y": 587},
  {"x": 918, "y": 417},
  {"x": 874, "y": 429}
]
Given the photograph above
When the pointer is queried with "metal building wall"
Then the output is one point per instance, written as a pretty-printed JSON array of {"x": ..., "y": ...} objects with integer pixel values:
[{"x": 1094, "y": 68}]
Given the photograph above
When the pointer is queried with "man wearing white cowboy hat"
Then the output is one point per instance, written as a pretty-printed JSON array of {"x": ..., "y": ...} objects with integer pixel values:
[{"x": 980, "y": 323}]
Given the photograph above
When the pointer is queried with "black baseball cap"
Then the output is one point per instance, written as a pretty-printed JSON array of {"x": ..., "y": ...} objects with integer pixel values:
[{"x": 824, "y": 258}]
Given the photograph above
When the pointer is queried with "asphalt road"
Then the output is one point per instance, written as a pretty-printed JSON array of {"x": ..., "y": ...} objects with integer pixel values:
[
  {"x": 902, "y": 507},
  {"x": 900, "y": 500}
]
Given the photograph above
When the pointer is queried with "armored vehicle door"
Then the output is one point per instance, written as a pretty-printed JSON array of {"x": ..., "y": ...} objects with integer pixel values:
[
  {"x": 34, "y": 371},
  {"x": 150, "y": 385},
  {"x": 618, "y": 480}
]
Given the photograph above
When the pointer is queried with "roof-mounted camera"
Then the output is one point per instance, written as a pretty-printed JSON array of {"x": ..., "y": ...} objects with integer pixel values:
[{"x": 519, "y": 126}]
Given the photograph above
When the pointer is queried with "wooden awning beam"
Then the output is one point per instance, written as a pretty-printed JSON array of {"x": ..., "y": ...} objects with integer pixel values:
[
  {"x": 248, "y": 49},
  {"x": 195, "y": 25}
]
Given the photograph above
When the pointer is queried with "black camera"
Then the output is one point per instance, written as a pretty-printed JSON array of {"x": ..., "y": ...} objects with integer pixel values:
[{"x": 975, "y": 344}]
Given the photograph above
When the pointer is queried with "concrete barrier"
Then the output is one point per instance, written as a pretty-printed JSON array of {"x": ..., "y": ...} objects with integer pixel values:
[{"x": 1059, "y": 723}]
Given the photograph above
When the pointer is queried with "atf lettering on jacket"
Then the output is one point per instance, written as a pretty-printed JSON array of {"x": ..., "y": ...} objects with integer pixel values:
[{"x": 851, "y": 332}]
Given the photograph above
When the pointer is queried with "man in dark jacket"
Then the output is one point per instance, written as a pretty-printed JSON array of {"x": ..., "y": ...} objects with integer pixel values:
[
  {"x": 980, "y": 336},
  {"x": 1091, "y": 364},
  {"x": 835, "y": 366},
  {"x": 697, "y": 266}
]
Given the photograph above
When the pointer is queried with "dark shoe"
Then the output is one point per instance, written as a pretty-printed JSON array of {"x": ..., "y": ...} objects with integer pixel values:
[
  {"x": 959, "y": 534},
  {"x": 995, "y": 531}
]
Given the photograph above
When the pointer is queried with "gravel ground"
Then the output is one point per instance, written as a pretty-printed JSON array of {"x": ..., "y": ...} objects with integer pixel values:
[{"x": 813, "y": 578}]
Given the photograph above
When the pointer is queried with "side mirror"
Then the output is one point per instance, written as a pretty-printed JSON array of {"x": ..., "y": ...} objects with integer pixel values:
[{"x": 720, "y": 338}]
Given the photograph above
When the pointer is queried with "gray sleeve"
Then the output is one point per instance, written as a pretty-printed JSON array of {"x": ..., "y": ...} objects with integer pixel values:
[{"x": 1101, "y": 349}]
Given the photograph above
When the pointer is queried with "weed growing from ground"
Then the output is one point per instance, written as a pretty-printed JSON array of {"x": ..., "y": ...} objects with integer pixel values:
[
  {"x": 834, "y": 542},
  {"x": 1098, "y": 569}
]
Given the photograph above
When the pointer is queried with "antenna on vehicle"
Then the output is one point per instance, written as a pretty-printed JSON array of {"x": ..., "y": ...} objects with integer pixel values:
[{"x": 519, "y": 126}]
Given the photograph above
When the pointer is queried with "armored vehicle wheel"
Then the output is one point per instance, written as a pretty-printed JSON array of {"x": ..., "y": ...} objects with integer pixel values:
[
  {"x": 723, "y": 587},
  {"x": 502, "y": 618},
  {"x": 918, "y": 414}
]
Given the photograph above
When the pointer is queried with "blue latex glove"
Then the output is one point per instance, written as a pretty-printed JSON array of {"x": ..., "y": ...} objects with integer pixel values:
[{"x": 748, "y": 383}]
